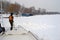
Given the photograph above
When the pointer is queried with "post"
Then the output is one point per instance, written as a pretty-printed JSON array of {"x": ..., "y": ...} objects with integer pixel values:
[{"x": 1, "y": 13}]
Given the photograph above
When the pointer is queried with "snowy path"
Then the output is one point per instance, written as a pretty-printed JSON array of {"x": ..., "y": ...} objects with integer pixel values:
[{"x": 17, "y": 34}]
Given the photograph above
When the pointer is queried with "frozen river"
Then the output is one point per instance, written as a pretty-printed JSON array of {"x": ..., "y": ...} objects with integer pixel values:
[{"x": 46, "y": 27}]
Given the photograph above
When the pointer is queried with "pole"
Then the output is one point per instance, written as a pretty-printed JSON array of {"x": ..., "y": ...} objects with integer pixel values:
[{"x": 1, "y": 13}]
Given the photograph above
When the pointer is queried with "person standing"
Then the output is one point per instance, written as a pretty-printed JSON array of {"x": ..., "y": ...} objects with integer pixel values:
[
  {"x": 0, "y": 28},
  {"x": 11, "y": 20}
]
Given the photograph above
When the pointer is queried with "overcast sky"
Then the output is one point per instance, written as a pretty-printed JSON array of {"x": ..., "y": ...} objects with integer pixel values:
[{"x": 49, "y": 5}]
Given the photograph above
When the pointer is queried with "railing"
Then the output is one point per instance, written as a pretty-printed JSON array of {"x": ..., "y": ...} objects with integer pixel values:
[
  {"x": 34, "y": 35},
  {"x": 19, "y": 26}
]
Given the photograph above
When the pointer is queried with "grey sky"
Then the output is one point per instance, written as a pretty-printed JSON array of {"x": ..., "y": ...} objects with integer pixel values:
[{"x": 49, "y": 5}]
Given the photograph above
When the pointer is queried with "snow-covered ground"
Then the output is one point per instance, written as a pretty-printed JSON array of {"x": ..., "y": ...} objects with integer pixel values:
[{"x": 46, "y": 27}]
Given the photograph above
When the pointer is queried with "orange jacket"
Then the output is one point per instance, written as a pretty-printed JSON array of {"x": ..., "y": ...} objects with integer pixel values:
[{"x": 11, "y": 18}]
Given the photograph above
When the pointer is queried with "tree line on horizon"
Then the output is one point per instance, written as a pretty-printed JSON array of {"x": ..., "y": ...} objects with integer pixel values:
[{"x": 17, "y": 8}]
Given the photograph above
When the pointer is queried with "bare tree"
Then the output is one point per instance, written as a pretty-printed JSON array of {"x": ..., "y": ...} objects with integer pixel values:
[{"x": 13, "y": 8}]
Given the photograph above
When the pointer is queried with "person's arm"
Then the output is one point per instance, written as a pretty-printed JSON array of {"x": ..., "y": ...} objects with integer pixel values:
[
  {"x": 12, "y": 17},
  {"x": 5, "y": 17}
]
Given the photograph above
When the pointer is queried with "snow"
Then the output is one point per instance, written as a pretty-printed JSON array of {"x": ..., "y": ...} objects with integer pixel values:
[{"x": 46, "y": 27}]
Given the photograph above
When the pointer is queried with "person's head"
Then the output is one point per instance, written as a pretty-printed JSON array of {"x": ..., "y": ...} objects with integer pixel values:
[{"x": 11, "y": 14}]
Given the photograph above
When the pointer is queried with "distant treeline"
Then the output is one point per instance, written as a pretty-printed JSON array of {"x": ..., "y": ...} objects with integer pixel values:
[{"x": 16, "y": 8}]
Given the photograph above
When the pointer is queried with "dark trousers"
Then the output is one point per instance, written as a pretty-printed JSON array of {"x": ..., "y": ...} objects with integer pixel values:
[
  {"x": 11, "y": 23},
  {"x": 2, "y": 29}
]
